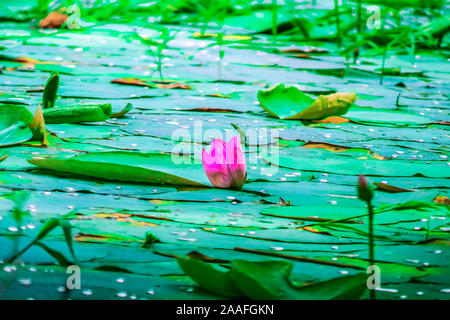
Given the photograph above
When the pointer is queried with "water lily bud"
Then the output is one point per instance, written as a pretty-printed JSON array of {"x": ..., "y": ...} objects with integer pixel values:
[
  {"x": 365, "y": 192},
  {"x": 50, "y": 91},
  {"x": 225, "y": 164}
]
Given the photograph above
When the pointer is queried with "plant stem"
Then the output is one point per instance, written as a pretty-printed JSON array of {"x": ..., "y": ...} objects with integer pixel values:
[
  {"x": 221, "y": 54},
  {"x": 18, "y": 254},
  {"x": 398, "y": 18},
  {"x": 203, "y": 29},
  {"x": 161, "y": 78},
  {"x": 274, "y": 17},
  {"x": 338, "y": 23},
  {"x": 359, "y": 16},
  {"x": 371, "y": 245},
  {"x": 382, "y": 64}
]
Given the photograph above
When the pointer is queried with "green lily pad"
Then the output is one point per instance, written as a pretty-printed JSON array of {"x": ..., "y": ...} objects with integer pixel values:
[
  {"x": 129, "y": 166},
  {"x": 291, "y": 103},
  {"x": 14, "y": 125},
  {"x": 78, "y": 114}
]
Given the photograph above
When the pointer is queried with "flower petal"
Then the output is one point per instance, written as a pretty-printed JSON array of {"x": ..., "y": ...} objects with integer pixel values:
[{"x": 225, "y": 165}]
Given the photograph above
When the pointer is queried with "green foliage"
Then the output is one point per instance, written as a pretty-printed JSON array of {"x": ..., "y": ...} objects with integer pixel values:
[
  {"x": 150, "y": 239},
  {"x": 210, "y": 277},
  {"x": 48, "y": 227},
  {"x": 268, "y": 280},
  {"x": 291, "y": 103},
  {"x": 14, "y": 121},
  {"x": 78, "y": 113},
  {"x": 148, "y": 225},
  {"x": 19, "y": 198},
  {"x": 129, "y": 166},
  {"x": 157, "y": 46}
]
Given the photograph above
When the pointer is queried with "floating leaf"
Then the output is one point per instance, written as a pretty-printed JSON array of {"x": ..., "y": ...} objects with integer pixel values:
[
  {"x": 383, "y": 116},
  {"x": 209, "y": 277},
  {"x": 269, "y": 280},
  {"x": 151, "y": 84},
  {"x": 14, "y": 121},
  {"x": 291, "y": 103},
  {"x": 129, "y": 166},
  {"x": 390, "y": 188},
  {"x": 77, "y": 114},
  {"x": 284, "y": 102}
]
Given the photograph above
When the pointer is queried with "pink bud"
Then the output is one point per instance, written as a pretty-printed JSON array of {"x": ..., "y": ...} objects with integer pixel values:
[
  {"x": 362, "y": 181},
  {"x": 225, "y": 164},
  {"x": 365, "y": 192}
]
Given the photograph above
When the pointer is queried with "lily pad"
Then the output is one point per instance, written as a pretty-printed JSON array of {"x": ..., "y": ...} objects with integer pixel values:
[
  {"x": 290, "y": 103},
  {"x": 154, "y": 168},
  {"x": 14, "y": 125}
]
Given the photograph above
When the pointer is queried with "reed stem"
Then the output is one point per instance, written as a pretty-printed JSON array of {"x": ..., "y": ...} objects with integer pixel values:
[
  {"x": 371, "y": 245},
  {"x": 338, "y": 23}
]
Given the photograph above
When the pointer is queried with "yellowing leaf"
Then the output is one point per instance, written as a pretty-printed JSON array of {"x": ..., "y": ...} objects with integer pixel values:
[
  {"x": 28, "y": 61},
  {"x": 335, "y": 120},
  {"x": 38, "y": 127},
  {"x": 151, "y": 84},
  {"x": 112, "y": 215},
  {"x": 53, "y": 21},
  {"x": 291, "y": 103},
  {"x": 3, "y": 157},
  {"x": 390, "y": 188},
  {"x": 331, "y": 105},
  {"x": 438, "y": 199},
  {"x": 326, "y": 146},
  {"x": 131, "y": 82},
  {"x": 138, "y": 223},
  {"x": 316, "y": 231}
]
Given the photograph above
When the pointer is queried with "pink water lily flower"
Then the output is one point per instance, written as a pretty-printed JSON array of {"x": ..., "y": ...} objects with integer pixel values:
[{"x": 225, "y": 165}]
